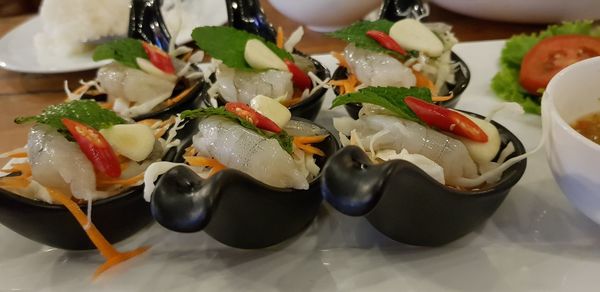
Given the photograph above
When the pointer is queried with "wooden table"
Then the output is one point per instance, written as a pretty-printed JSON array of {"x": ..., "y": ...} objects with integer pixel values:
[{"x": 27, "y": 94}]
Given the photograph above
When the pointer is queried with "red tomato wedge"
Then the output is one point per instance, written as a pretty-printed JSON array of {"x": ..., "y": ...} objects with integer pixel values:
[
  {"x": 159, "y": 58},
  {"x": 446, "y": 120},
  {"x": 95, "y": 148},
  {"x": 299, "y": 78},
  {"x": 247, "y": 113},
  {"x": 553, "y": 54}
]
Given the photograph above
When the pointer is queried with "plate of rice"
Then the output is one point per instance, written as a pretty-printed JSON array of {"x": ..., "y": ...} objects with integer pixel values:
[{"x": 64, "y": 34}]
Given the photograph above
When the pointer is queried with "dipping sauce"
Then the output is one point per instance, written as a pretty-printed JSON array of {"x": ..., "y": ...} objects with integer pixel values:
[{"x": 589, "y": 126}]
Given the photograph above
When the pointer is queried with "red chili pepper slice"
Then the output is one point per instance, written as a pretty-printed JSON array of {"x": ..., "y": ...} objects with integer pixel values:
[
  {"x": 445, "y": 119},
  {"x": 247, "y": 113},
  {"x": 386, "y": 41},
  {"x": 300, "y": 79},
  {"x": 95, "y": 147},
  {"x": 159, "y": 58}
]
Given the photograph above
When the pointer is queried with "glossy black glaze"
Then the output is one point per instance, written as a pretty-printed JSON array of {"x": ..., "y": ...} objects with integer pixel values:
[
  {"x": 233, "y": 207},
  {"x": 146, "y": 23},
  {"x": 405, "y": 203},
  {"x": 248, "y": 15},
  {"x": 117, "y": 217},
  {"x": 461, "y": 78},
  {"x": 395, "y": 10},
  {"x": 308, "y": 108}
]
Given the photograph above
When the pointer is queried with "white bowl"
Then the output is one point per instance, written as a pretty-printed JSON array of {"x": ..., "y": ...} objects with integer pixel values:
[
  {"x": 525, "y": 11},
  {"x": 575, "y": 160},
  {"x": 325, "y": 15}
]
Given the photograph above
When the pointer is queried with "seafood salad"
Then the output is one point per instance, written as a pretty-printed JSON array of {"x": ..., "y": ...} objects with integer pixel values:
[
  {"x": 78, "y": 153},
  {"x": 260, "y": 140},
  {"x": 455, "y": 149},
  {"x": 402, "y": 54},
  {"x": 142, "y": 79},
  {"x": 246, "y": 65}
]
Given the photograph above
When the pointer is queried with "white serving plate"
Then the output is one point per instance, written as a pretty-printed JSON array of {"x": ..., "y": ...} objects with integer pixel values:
[
  {"x": 536, "y": 241},
  {"x": 18, "y": 53}
]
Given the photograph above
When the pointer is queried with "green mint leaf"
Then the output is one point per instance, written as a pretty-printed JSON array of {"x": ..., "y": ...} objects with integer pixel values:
[
  {"x": 506, "y": 82},
  {"x": 283, "y": 138},
  {"x": 124, "y": 51},
  {"x": 357, "y": 34},
  {"x": 85, "y": 111},
  {"x": 227, "y": 44},
  {"x": 390, "y": 98}
]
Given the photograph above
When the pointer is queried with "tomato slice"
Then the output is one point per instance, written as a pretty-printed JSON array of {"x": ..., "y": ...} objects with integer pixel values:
[
  {"x": 299, "y": 78},
  {"x": 159, "y": 58},
  {"x": 247, "y": 113},
  {"x": 553, "y": 54},
  {"x": 95, "y": 147},
  {"x": 445, "y": 119}
]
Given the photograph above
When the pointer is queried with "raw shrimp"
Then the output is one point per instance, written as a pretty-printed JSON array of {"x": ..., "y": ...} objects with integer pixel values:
[
  {"x": 449, "y": 153},
  {"x": 244, "y": 150},
  {"x": 236, "y": 85},
  {"x": 58, "y": 163},
  {"x": 132, "y": 85},
  {"x": 378, "y": 69}
]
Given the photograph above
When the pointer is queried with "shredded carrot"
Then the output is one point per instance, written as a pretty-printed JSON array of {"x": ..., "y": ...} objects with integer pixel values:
[
  {"x": 107, "y": 105},
  {"x": 187, "y": 56},
  {"x": 303, "y": 142},
  {"x": 442, "y": 98},
  {"x": 18, "y": 182},
  {"x": 149, "y": 122},
  {"x": 173, "y": 100},
  {"x": 291, "y": 101},
  {"x": 81, "y": 89},
  {"x": 104, "y": 182},
  {"x": 346, "y": 85},
  {"x": 23, "y": 168},
  {"x": 423, "y": 81},
  {"x": 280, "y": 37},
  {"x": 190, "y": 151},
  {"x": 17, "y": 155},
  {"x": 340, "y": 58},
  {"x": 214, "y": 164},
  {"x": 110, "y": 253}
]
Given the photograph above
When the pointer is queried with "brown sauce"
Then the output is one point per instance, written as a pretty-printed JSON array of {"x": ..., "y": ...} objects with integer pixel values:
[{"x": 589, "y": 126}]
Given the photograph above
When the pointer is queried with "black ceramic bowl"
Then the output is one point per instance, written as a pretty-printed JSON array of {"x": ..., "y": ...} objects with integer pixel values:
[
  {"x": 461, "y": 76},
  {"x": 308, "y": 108},
  {"x": 233, "y": 207},
  {"x": 117, "y": 217},
  {"x": 406, "y": 204}
]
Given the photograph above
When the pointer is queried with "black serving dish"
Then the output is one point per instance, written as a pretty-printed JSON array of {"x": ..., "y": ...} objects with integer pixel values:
[
  {"x": 146, "y": 23},
  {"x": 234, "y": 208},
  {"x": 461, "y": 77},
  {"x": 406, "y": 204},
  {"x": 248, "y": 15},
  {"x": 394, "y": 10},
  {"x": 117, "y": 217}
]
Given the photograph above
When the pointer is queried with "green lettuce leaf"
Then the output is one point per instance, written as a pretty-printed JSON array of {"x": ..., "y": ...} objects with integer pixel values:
[
  {"x": 227, "y": 44},
  {"x": 124, "y": 51},
  {"x": 283, "y": 138},
  {"x": 506, "y": 82},
  {"x": 85, "y": 111},
  {"x": 357, "y": 34},
  {"x": 390, "y": 98}
]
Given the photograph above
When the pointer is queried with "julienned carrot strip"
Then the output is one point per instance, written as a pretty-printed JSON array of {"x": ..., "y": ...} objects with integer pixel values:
[
  {"x": 17, "y": 182},
  {"x": 346, "y": 85},
  {"x": 107, "y": 105},
  {"x": 113, "y": 256},
  {"x": 23, "y": 168},
  {"x": 309, "y": 139},
  {"x": 123, "y": 182},
  {"x": 442, "y": 98},
  {"x": 214, "y": 164},
  {"x": 311, "y": 149},
  {"x": 423, "y": 81},
  {"x": 173, "y": 100},
  {"x": 149, "y": 122},
  {"x": 340, "y": 58},
  {"x": 280, "y": 37},
  {"x": 17, "y": 155}
]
